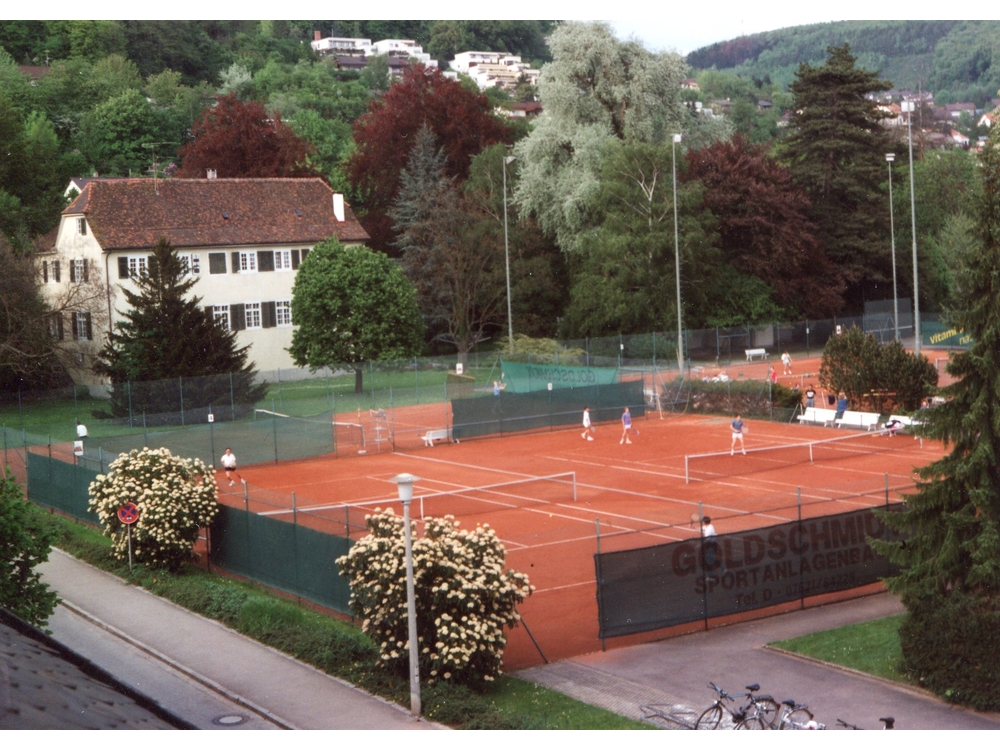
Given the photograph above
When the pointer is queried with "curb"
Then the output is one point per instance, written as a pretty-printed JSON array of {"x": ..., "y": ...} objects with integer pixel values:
[{"x": 189, "y": 673}]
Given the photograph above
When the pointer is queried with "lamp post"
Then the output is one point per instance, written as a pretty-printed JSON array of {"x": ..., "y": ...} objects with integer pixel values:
[
  {"x": 404, "y": 484},
  {"x": 910, "y": 107},
  {"x": 506, "y": 250},
  {"x": 677, "y": 260},
  {"x": 892, "y": 232}
]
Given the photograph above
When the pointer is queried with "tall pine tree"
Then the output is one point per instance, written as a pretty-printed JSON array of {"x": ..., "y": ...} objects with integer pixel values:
[
  {"x": 166, "y": 336},
  {"x": 950, "y": 582},
  {"x": 836, "y": 151}
]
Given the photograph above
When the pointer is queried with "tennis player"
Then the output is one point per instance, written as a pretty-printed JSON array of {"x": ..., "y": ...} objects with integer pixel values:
[
  {"x": 738, "y": 429},
  {"x": 588, "y": 428},
  {"x": 626, "y": 427},
  {"x": 228, "y": 462}
]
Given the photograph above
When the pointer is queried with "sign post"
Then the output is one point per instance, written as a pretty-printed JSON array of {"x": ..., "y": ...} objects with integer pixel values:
[{"x": 128, "y": 514}]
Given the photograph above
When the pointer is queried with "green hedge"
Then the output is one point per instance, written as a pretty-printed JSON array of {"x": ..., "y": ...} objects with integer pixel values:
[{"x": 951, "y": 644}]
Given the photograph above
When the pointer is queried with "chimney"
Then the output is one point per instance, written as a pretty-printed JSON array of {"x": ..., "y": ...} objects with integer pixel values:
[
  {"x": 317, "y": 35},
  {"x": 338, "y": 206},
  {"x": 211, "y": 174}
]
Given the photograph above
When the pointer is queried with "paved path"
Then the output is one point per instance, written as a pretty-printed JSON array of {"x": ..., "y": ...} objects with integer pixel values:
[
  {"x": 675, "y": 673},
  {"x": 198, "y": 668}
]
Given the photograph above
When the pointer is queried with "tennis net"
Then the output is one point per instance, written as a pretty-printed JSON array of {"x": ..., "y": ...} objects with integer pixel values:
[{"x": 708, "y": 466}]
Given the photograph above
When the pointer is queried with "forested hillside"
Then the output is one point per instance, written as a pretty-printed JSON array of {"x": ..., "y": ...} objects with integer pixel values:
[{"x": 956, "y": 60}]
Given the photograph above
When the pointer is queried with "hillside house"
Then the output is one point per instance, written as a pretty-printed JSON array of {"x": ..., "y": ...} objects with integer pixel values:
[{"x": 243, "y": 239}]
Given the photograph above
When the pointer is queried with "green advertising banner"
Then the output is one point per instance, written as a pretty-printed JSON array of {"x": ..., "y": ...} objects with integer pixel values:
[
  {"x": 941, "y": 335},
  {"x": 521, "y": 377}
]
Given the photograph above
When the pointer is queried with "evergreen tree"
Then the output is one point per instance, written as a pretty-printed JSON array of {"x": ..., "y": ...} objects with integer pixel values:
[
  {"x": 166, "y": 335},
  {"x": 836, "y": 151},
  {"x": 950, "y": 582}
]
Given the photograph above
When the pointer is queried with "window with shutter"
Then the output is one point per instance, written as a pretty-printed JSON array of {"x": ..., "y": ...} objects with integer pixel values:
[
  {"x": 283, "y": 312},
  {"x": 237, "y": 317},
  {"x": 282, "y": 260},
  {"x": 295, "y": 259},
  {"x": 267, "y": 314},
  {"x": 81, "y": 225},
  {"x": 220, "y": 313},
  {"x": 251, "y": 314},
  {"x": 90, "y": 330},
  {"x": 55, "y": 270},
  {"x": 82, "y": 330},
  {"x": 236, "y": 261},
  {"x": 122, "y": 267},
  {"x": 216, "y": 262},
  {"x": 45, "y": 271},
  {"x": 265, "y": 260},
  {"x": 72, "y": 271},
  {"x": 305, "y": 252}
]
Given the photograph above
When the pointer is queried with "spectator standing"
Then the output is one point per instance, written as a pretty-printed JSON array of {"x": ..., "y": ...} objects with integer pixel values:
[
  {"x": 810, "y": 397},
  {"x": 81, "y": 431},
  {"x": 841, "y": 406}
]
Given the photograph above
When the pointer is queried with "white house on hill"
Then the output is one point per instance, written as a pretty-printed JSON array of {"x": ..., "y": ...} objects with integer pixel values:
[{"x": 243, "y": 239}]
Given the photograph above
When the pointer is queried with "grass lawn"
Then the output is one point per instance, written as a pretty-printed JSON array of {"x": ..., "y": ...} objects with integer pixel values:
[
  {"x": 339, "y": 648},
  {"x": 871, "y": 647}
]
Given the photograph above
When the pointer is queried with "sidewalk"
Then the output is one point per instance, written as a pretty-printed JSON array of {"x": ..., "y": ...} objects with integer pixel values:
[
  {"x": 203, "y": 656},
  {"x": 676, "y": 673}
]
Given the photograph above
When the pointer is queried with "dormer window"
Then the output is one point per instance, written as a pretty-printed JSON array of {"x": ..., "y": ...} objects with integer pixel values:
[{"x": 81, "y": 226}]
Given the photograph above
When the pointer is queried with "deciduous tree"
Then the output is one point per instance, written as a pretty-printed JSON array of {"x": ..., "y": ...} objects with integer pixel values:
[
  {"x": 764, "y": 227},
  {"x": 462, "y": 122},
  {"x": 240, "y": 139},
  {"x": 25, "y": 541},
  {"x": 352, "y": 305}
]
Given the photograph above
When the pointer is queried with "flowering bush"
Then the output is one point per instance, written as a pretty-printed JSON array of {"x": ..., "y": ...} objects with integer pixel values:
[
  {"x": 464, "y": 597},
  {"x": 175, "y": 497}
]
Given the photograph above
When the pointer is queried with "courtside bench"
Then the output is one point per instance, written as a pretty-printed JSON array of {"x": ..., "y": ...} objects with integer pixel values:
[
  {"x": 751, "y": 353},
  {"x": 431, "y": 435},
  {"x": 865, "y": 419},
  {"x": 816, "y": 415}
]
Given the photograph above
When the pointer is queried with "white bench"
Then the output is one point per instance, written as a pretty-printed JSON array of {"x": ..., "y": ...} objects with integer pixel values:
[
  {"x": 751, "y": 353},
  {"x": 816, "y": 415},
  {"x": 865, "y": 419},
  {"x": 431, "y": 435}
]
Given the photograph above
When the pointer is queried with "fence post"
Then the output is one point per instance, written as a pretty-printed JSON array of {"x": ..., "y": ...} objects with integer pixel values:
[
  {"x": 274, "y": 425},
  {"x": 180, "y": 390},
  {"x": 232, "y": 396},
  {"x": 416, "y": 379},
  {"x": 211, "y": 433},
  {"x": 371, "y": 374},
  {"x": 76, "y": 408},
  {"x": 50, "y": 444},
  {"x": 802, "y": 590},
  {"x": 145, "y": 437},
  {"x": 20, "y": 412},
  {"x": 100, "y": 457},
  {"x": 5, "y": 445},
  {"x": 347, "y": 521},
  {"x": 128, "y": 387},
  {"x": 600, "y": 578}
]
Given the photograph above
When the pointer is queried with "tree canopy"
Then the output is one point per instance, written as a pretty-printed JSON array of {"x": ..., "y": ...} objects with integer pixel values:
[
  {"x": 25, "y": 541},
  {"x": 352, "y": 305},
  {"x": 240, "y": 139},
  {"x": 462, "y": 122}
]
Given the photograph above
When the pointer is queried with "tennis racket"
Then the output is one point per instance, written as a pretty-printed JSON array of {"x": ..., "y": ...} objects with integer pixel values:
[{"x": 746, "y": 430}]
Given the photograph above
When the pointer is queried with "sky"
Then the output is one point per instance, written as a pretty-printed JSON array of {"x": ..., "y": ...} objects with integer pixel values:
[{"x": 665, "y": 25}]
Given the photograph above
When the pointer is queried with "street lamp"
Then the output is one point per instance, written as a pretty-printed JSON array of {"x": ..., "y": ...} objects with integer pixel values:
[
  {"x": 677, "y": 261},
  {"x": 910, "y": 107},
  {"x": 404, "y": 484},
  {"x": 892, "y": 230},
  {"x": 506, "y": 250}
]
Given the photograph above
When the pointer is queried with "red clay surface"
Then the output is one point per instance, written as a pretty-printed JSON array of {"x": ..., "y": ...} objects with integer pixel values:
[{"x": 636, "y": 493}]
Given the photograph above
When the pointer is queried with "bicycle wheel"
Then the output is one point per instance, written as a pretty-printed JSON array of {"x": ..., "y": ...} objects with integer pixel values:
[
  {"x": 752, "y": 722},
  {"x": 797, "y": 719},
  {"x": 709, "y": 718},
  {"x": 767, "y": 709}
]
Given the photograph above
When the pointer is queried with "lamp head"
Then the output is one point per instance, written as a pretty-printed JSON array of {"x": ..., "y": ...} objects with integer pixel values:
[
  {"x": 404, "y": 484},
  {"x": 677, "y": 137}
]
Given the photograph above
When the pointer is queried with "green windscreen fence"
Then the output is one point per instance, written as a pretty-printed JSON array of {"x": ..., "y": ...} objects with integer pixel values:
[
  {"x": 671, "y": 584},
  {"x": 523, "y": 377},
  {"x": 282, "y": 555},
  {"x": 61, "y": 486},
  {"x": 517, "y": 412}
]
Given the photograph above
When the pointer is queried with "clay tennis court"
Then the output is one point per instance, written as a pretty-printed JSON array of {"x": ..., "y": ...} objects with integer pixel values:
[{"x": 636, "y": 493}]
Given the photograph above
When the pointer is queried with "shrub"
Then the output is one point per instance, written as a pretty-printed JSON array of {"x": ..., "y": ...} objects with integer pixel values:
[
  {"x": 25, "y": 541},
  {"x": 175, "y": 496},
  {"x": 866, "y": 372},
  {"x": 464, "y": 597},
  {"x": 952, "y": 644}
]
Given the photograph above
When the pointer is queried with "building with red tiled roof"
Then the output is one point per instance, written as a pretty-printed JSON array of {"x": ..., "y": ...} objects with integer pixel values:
[{"x": 243, "y": 239}]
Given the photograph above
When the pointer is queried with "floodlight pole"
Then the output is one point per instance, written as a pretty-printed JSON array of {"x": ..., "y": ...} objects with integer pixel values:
[
  {"x": 677, "y": 261},
  {"x": 910, "y": 107},
  {"x": 404, "y": 483},
  {"x": 506, "y": 250},
  {"x": 892, "y": 230}
]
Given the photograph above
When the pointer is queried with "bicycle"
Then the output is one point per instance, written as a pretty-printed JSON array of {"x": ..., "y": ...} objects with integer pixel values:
[
  {"x": 756, "y": 712},
  {"x": 794, "y": 715},
  {"x": 888, "y": 722}
]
